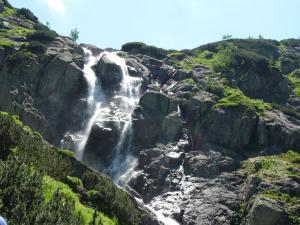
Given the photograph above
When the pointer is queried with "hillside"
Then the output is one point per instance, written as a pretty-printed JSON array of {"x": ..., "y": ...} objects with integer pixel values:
[{"x": 204, "y": 136}]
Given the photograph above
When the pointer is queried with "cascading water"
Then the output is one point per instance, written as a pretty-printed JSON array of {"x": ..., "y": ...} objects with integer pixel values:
[
  {"x": 99, "y": 108},
  {"x": 95, "y": 99},
  {"x": 127, "y": 98}
]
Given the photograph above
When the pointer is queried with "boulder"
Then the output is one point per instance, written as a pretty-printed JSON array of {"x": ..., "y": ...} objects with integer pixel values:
[
  {"x": 110, "y": 74},
  {"x": 267, "y": 212},
  {"x": 101, "y": 142},
  {"x": 288, "y": 65},
  {"x": 155, "y": 120}
]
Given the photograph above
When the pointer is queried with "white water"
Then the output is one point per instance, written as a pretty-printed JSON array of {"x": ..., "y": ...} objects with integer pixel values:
[
  {"x": 127, "y": 98},
  {"x": 95, "y": 99},
  {"x": 123, "y": 103}
]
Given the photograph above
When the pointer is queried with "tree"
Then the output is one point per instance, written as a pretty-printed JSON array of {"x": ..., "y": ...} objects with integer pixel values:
[
  {"x": 227, "y": 36},
  {"x": 74, "y": 34}
]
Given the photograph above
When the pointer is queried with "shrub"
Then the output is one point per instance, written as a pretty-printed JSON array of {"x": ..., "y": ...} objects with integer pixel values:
[
  {"x": 40, "y": 26},
  {"x": 6, "y": 43},
  {"x": 291, "y": 42},
  {"x": 243, "y": 61},
  {"x": 235, "y": 97},
  {"x": 20, "y": 57},
  {"x": 295, "y": 83},
  {"x": 42, "y": 36},
  {"x": 27, "y": 14},
  {"x": 68, "y": 153},
  {"x": 141, "y": 48},
  {"x": 74, "y": 182},
  {"x": 36, "y": 47}
]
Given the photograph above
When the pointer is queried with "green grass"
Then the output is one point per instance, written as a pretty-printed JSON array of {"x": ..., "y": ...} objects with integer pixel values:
[
  {"x": 6, "y": 43},
  {"x": 202, "y": 58},
  {"x": 16, "y": 31},
  {"x": 295, "y": 82},
  {"x": 50, "y": 186},
  {"x": 8, "y": 12},
  {"x": 235, "y": 98},
  {"x": 271, "y": 168},
  {"x": 68, "y": 153}
]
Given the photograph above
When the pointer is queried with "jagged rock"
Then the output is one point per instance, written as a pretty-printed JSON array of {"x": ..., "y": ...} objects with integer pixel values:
[
  {"x": 224, "y": 126},
  {"x": 164, "y": 74},
  {"x": 272, "y": 87},
  {"x": 109, "y": 73},
  {"x": 288, "y": 65},
  {"x": 180, "y": 75},
  {"x": 95, "y": 50},
  {"x": 156, "y": 113},
  {"x": 279, "y": 130}
]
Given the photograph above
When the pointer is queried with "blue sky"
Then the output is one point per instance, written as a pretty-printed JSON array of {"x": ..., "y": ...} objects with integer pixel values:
[{"x": 171, "y": 24}]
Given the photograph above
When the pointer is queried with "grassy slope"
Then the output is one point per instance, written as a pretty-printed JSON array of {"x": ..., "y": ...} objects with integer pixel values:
[{"x": 20, "y": 145}]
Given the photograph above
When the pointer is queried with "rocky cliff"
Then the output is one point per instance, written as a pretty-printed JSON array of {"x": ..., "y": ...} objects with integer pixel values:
[{"x": 216, "y": 131}]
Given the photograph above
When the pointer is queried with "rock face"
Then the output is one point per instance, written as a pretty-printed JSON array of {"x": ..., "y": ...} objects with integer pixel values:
[
  {"x": 110, "y": 74},
  {"x": 156, "y": 119},
  {"x": 45, "y": 92}
]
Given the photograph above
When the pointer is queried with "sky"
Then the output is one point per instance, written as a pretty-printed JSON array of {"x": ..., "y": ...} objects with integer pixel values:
[{"x": 170, "y": 24}]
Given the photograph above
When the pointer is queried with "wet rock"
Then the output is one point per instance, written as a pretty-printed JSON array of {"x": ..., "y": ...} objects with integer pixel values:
[
  {"x": 101, "y": 142},
  {"x": 110, "y": 74},
  {"x": 164, "y": 74}
]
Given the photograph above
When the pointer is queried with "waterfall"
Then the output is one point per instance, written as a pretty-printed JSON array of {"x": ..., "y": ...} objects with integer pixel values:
[
  {"x": 99, "y": 110},
  {"x": 127, "y": 97},
  {"x": 95, "y": 100}
]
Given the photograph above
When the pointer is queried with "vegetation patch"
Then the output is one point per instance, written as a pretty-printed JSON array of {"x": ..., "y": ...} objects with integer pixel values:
[
  {"x": 235, "y": 97},
  {"x": 42, "y": 36},
  {"x": 36, "y": 47},
  {"x": 21, "y": 57},
  {"x": 272, "y": 168},
  {"x": 295, "y": 82},
  {"x": 8, "y": 12},
  {"x": 6, "y": 43},
  {"x": 26, "y": 14},
  {"x": 15, "y": 32},
  {"x": 20, "y": 146},
  {"x": 87, "y": 215}
]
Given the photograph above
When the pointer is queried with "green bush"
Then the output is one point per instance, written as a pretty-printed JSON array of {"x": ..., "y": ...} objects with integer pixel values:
[
  {"x": 56, "y": 167},
  {"x": 27, "y": 14},
  {"x": 291, "y": 42},
  {"x": 235, "y": 98},
  {"x": 295, "y": 81},
  {"x": 42, "y": 36},
  {"x": 74, "y": 182},
  {"x": 142, "y": 48},
  {"x": 243, "y": 61},
  {"x": 40, "y": 26},
  {"x": 36, "y": 47},
  {"x": 20, "y": 57}
]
